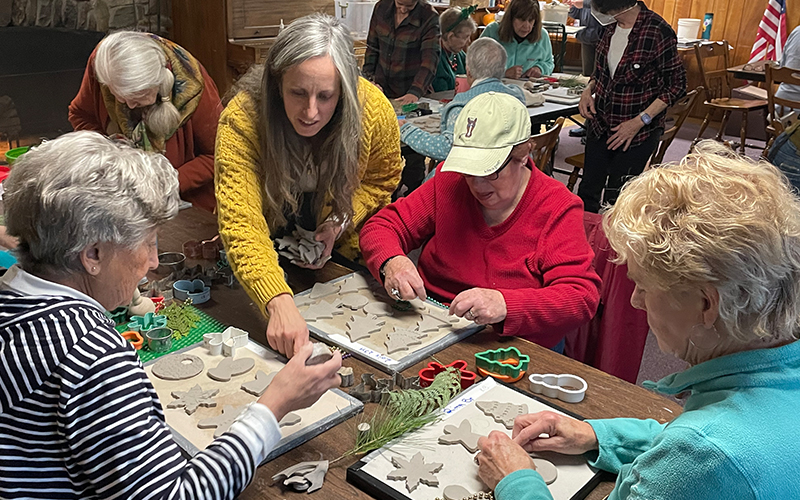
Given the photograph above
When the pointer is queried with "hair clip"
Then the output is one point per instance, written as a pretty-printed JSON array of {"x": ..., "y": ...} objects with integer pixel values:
[{"x": 165, "y": 98}]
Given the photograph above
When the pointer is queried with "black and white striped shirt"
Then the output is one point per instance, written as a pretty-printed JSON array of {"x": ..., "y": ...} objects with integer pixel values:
[{"x": 80, "y": 419}]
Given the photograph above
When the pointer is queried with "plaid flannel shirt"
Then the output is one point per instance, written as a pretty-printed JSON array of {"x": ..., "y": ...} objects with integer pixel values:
[
  {"x": 402, "y": 60},
  {"x": 650, "y": 69}
]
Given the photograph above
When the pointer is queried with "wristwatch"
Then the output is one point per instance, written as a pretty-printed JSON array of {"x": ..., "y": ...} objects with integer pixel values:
[{"x": 645, "y": 118}]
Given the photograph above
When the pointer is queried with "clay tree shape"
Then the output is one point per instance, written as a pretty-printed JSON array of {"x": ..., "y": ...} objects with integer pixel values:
[
  {"x": 178, "y": 366},
  {"x": 462, "y": 434},
  {"x": 414, "y": 471},
  {"x": 401, "y": 340},
  {"x": 230, "y": 367},
  {"x": 193, "y": 398},
  {"x": 322, "y": 290},
  {"x": 353, "y": 284},
  {"x": 302, "y": 300},
  {"x": 305, "y": 476},
  {"x": 354, "y": 301},
  {"x": 506, "y": 362},
  {"x": 502, "y": 413},
  {"x": 546, "y": 468},
  {"x": 258, "y": 386},
  {"x": 359, "y": 327},
  {"x": 430, "y": 323},
  {"x": 147, "y": 322},
  {"x": 456, "y": 492},
  {"x": 427, "y": 374},
  {"x": 322, "y": 309},
  {"x": 223, "y": 421}
]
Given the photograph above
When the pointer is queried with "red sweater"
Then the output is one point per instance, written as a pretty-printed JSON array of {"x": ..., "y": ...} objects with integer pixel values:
[
  {"x": 191, "y": 147},
  {"x": 538, "y": 258}
]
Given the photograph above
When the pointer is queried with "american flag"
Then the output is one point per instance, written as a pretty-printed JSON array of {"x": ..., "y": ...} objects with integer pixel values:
[{"x": 771, "y": 34}]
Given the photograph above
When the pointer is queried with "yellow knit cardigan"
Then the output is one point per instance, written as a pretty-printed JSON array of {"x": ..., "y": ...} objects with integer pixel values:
[{"x": 240, "y": 190}]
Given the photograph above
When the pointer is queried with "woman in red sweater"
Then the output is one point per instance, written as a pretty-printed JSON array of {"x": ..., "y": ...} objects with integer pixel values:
[
  {"x": 157, "y": 95},
  {"x": 501, "y": 242}
]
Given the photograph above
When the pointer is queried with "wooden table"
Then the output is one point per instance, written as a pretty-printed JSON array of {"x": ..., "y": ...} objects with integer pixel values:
[
  {"x": 753, "y": 72},
  {"x": 606, "y": 397}
]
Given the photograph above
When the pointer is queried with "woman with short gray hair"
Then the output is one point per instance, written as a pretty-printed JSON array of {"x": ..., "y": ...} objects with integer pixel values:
[
  {"x": 305, "y": 143},
  {"x": 160, "y": 98},
  {"x": 78, "y": 416}
]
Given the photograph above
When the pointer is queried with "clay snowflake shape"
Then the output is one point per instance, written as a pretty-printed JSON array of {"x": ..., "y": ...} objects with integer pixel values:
[
  {"x": 414, "y": 471},
  {"x": 503, "y": 413},
  {"x": 353, "y": 284},
  {"x": 401, "y": 339},
  {"x": 322, "y": 309},
  {"x": 193, "y": 398},
  {"x": 359, "y": 327}
]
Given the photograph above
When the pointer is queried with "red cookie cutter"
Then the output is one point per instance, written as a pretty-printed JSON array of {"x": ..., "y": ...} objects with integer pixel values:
[{"x": 426, "y": 375}]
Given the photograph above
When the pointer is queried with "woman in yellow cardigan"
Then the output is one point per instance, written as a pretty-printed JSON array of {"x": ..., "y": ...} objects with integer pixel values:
[{"x": 307, "y": 144}]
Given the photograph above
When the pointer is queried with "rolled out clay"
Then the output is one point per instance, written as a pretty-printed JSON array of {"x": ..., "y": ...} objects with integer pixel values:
[
  {"x": 178, "y": 367},
  {"x": 230, "y": 367},
  {"x": 547, "y": 469}
]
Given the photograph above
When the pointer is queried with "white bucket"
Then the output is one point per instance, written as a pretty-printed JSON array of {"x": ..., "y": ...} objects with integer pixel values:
[
  {"x": 356, "y": 16},
  {"x": 688, "y": 28},
  {"x": 552, "y": 13}
]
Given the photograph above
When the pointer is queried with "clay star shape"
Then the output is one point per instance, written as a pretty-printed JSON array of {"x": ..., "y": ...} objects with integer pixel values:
[
  {"x": 415, "y": 471},
  {"x": 193, "y": 398}
]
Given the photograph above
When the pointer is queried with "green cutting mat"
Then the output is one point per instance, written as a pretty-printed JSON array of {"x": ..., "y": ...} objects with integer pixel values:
[{"x": 207, "y": 324}]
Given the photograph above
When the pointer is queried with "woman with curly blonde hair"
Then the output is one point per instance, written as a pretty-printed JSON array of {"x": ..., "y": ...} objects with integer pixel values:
[{"x": 713, "y": 245}]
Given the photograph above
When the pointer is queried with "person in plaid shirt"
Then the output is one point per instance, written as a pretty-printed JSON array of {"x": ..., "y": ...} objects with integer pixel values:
[
  {"x": 638, "y": 75},
  {"x": 402, "y": 48}
]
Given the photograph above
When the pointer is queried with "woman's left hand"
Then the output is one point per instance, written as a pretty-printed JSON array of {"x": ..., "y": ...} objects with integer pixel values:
[
  {"x": 624, "y": 133},
  {"x": 407, "y": 99},
  {"x": 481, "y": 305},
  {"x": 327, "y": 232},
  {"x": 534, "y": 72},
  {"x": 499, "y": 457}
]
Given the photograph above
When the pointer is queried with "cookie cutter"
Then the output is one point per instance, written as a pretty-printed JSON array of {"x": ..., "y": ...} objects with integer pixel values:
[
  {"x": 118, "y": 315},
  {"x": 427, "y": 374},
  {"x": 211, "y": 248},
  {"x": 159, "y": 339},
  {"x": 193, "y": 249},
  {"x": 149, "y": 321},
  {"x": 196, "y": 290},
  {"x": 135, "y": 339},
  {"x": 507, "y": 365},
  {"x": 566, "y": 387},
  {"x": 225, "y": 342}
]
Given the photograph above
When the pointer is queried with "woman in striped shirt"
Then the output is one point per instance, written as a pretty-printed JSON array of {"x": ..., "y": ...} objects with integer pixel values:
[{"x": 78, "y": 416}]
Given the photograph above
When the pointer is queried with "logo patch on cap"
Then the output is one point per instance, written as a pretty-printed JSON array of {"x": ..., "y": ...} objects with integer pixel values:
[{"x": 470, "y": 126}]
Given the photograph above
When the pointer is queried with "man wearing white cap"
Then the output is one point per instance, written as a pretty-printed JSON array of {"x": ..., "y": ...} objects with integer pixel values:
[{"x": 501, "y": 242}]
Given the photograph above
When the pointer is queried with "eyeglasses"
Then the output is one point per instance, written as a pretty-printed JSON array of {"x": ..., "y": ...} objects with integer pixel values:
[{"x": 496, "y": 174}]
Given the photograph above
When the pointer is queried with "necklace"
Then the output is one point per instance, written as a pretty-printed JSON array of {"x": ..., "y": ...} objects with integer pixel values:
[
  {"x": 453, "y": 60},
  {"x": 481, "y": 495}
]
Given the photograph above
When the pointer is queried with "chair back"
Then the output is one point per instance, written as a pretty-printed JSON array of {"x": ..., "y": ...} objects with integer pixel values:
[
  {"x": 676, "y": 115},
  {"x": 716, "y": 80},
  {"x": 544, "y": 144},
  {"x": 780, "y": 108}
]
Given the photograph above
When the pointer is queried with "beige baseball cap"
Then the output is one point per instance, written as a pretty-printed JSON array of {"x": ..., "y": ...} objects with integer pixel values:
[{"x": 489, "y": 126}]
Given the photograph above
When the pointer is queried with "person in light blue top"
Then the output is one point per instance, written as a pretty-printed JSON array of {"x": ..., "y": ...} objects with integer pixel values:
[
  {"x": 713, "y": 245},
  {"x": 520, "y": 32},
  {"x": 486, "y": 62}
]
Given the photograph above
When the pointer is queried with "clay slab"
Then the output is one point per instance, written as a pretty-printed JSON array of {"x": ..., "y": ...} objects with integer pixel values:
[
  {"x": 178, "y": 366},
  {"x": 230, "y": 367}
]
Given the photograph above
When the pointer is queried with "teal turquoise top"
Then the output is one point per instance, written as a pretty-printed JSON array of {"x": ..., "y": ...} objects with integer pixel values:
[
  {"x": 738, "y": 437},
  {"x": 525, "y": 54},
  {"x": 445, "y": 78}
]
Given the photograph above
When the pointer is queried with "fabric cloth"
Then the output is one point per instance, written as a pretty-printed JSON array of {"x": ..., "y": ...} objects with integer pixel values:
[
  {"x": 790, "y": 59},
  {"x": 619, "y": 41},
  {"x": 538, "y": 258},
  {"x": 734, "y": 438},
  {"x": 525, "y": 53},
  {"x": 445, "y": 78},
  {"x": 190, "y": 148},
  {"x": 240, "y": 190},
  {"x": 80, "y": 419},
  {"x": 402, "y": 59},
  {"x": 437, "y": 146},
  {"x": 785, "y": 154},
  {"x": 650, "y": 69}
]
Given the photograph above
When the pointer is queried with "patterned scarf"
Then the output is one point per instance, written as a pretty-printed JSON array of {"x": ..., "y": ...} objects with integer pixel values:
[{"x": 186, "y": 94}]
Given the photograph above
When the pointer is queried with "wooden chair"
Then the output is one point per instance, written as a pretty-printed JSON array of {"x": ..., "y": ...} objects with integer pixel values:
[
  {"x": 718, "y": 85},
  {"x": 779, "y": 109},
  {"x": 544, "y": 145}
]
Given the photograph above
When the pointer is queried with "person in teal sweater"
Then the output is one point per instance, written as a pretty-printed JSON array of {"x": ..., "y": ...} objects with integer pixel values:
[
  {"x": 486, "y": 62},
  {"x": 520, "y": 32},
  {"x": 457, "y": 29},
  {"x": 713, "y": 245}
]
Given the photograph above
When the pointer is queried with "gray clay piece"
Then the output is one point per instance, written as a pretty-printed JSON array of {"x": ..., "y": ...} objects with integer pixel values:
[
  {"x": 462, "y": 434},
  {"x": 221, "y": 422},
  {"x": 414, "y": 471},
  {"x": 302, "y": 300},
  {"x": 305, "y": 476},
  {"x": 230, "y": 367},
  {"x": 319, "y": 355},
  {"x": 353, "y": 284},
  {"x": 379, "y": 309},
  {"x": 258, "y": 386},
  {"x": 193, "y": 398},
  {"x": 359, "y": 327},
  {"x": 322, "y": 309},
  {"x": 547, "y": 469},
  {"x": 456, "y": 492},
  {"x": 348, "y": 378},
  {"x": 321, "y": 290},
  {"x": 178, "y": 367},
  {"x": 354, "y": 301},
  {"x": 430, "y": 323},
  {"x": 503, "y": 413},
  {"x": 401, "y": 340},
  {"x": 289, "y": 419}
]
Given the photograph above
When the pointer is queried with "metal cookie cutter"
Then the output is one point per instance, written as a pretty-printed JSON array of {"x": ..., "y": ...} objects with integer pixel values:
[
  {"x": 195, "y": 290},
  {"x": 159, "y": 339},
  {"x": 566, "y": 387},
  {"x": 225, "y": 342}
]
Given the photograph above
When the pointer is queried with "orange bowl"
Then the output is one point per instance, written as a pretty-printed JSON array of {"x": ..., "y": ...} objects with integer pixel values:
[{"x": 488, "y": 19}]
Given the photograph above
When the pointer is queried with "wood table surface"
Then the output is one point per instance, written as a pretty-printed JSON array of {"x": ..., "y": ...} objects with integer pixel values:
[{"x": 607, "y": 396}]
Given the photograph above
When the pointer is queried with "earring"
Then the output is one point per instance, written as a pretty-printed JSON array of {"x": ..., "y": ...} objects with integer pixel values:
[
  {"x": 704, "y": 339},
  {"x": 94, "y": 269}
]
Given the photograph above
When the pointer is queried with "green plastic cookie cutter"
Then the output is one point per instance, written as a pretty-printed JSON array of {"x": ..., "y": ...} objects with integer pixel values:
[
  {"x": 147, "y": 322},
  {"x": 505, "y": 362}
]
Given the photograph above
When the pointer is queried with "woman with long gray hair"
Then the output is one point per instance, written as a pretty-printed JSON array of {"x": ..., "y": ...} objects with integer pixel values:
[
  {"x": 157, "y": 95},
  {"x": 305, "y": 143}
]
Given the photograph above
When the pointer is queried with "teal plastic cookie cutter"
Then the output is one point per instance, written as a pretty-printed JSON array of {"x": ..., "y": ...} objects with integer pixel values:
[
  {"x": 118, "y": 315},
  {"x": 147, "y": 322},
  {"x": 508, "y": 362},
  {"x": 196, "y": 290}
]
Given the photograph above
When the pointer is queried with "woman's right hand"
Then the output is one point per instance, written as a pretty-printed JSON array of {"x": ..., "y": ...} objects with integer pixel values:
[
  {"x": 287, "y": 331},
  {"x": 514, "y": 72},
  {"x": 401, "y": 274},
  {"x": 299, "y": 386},
  {"x": 566, "y": 435},
  {"x": 586, "y": 106}
]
